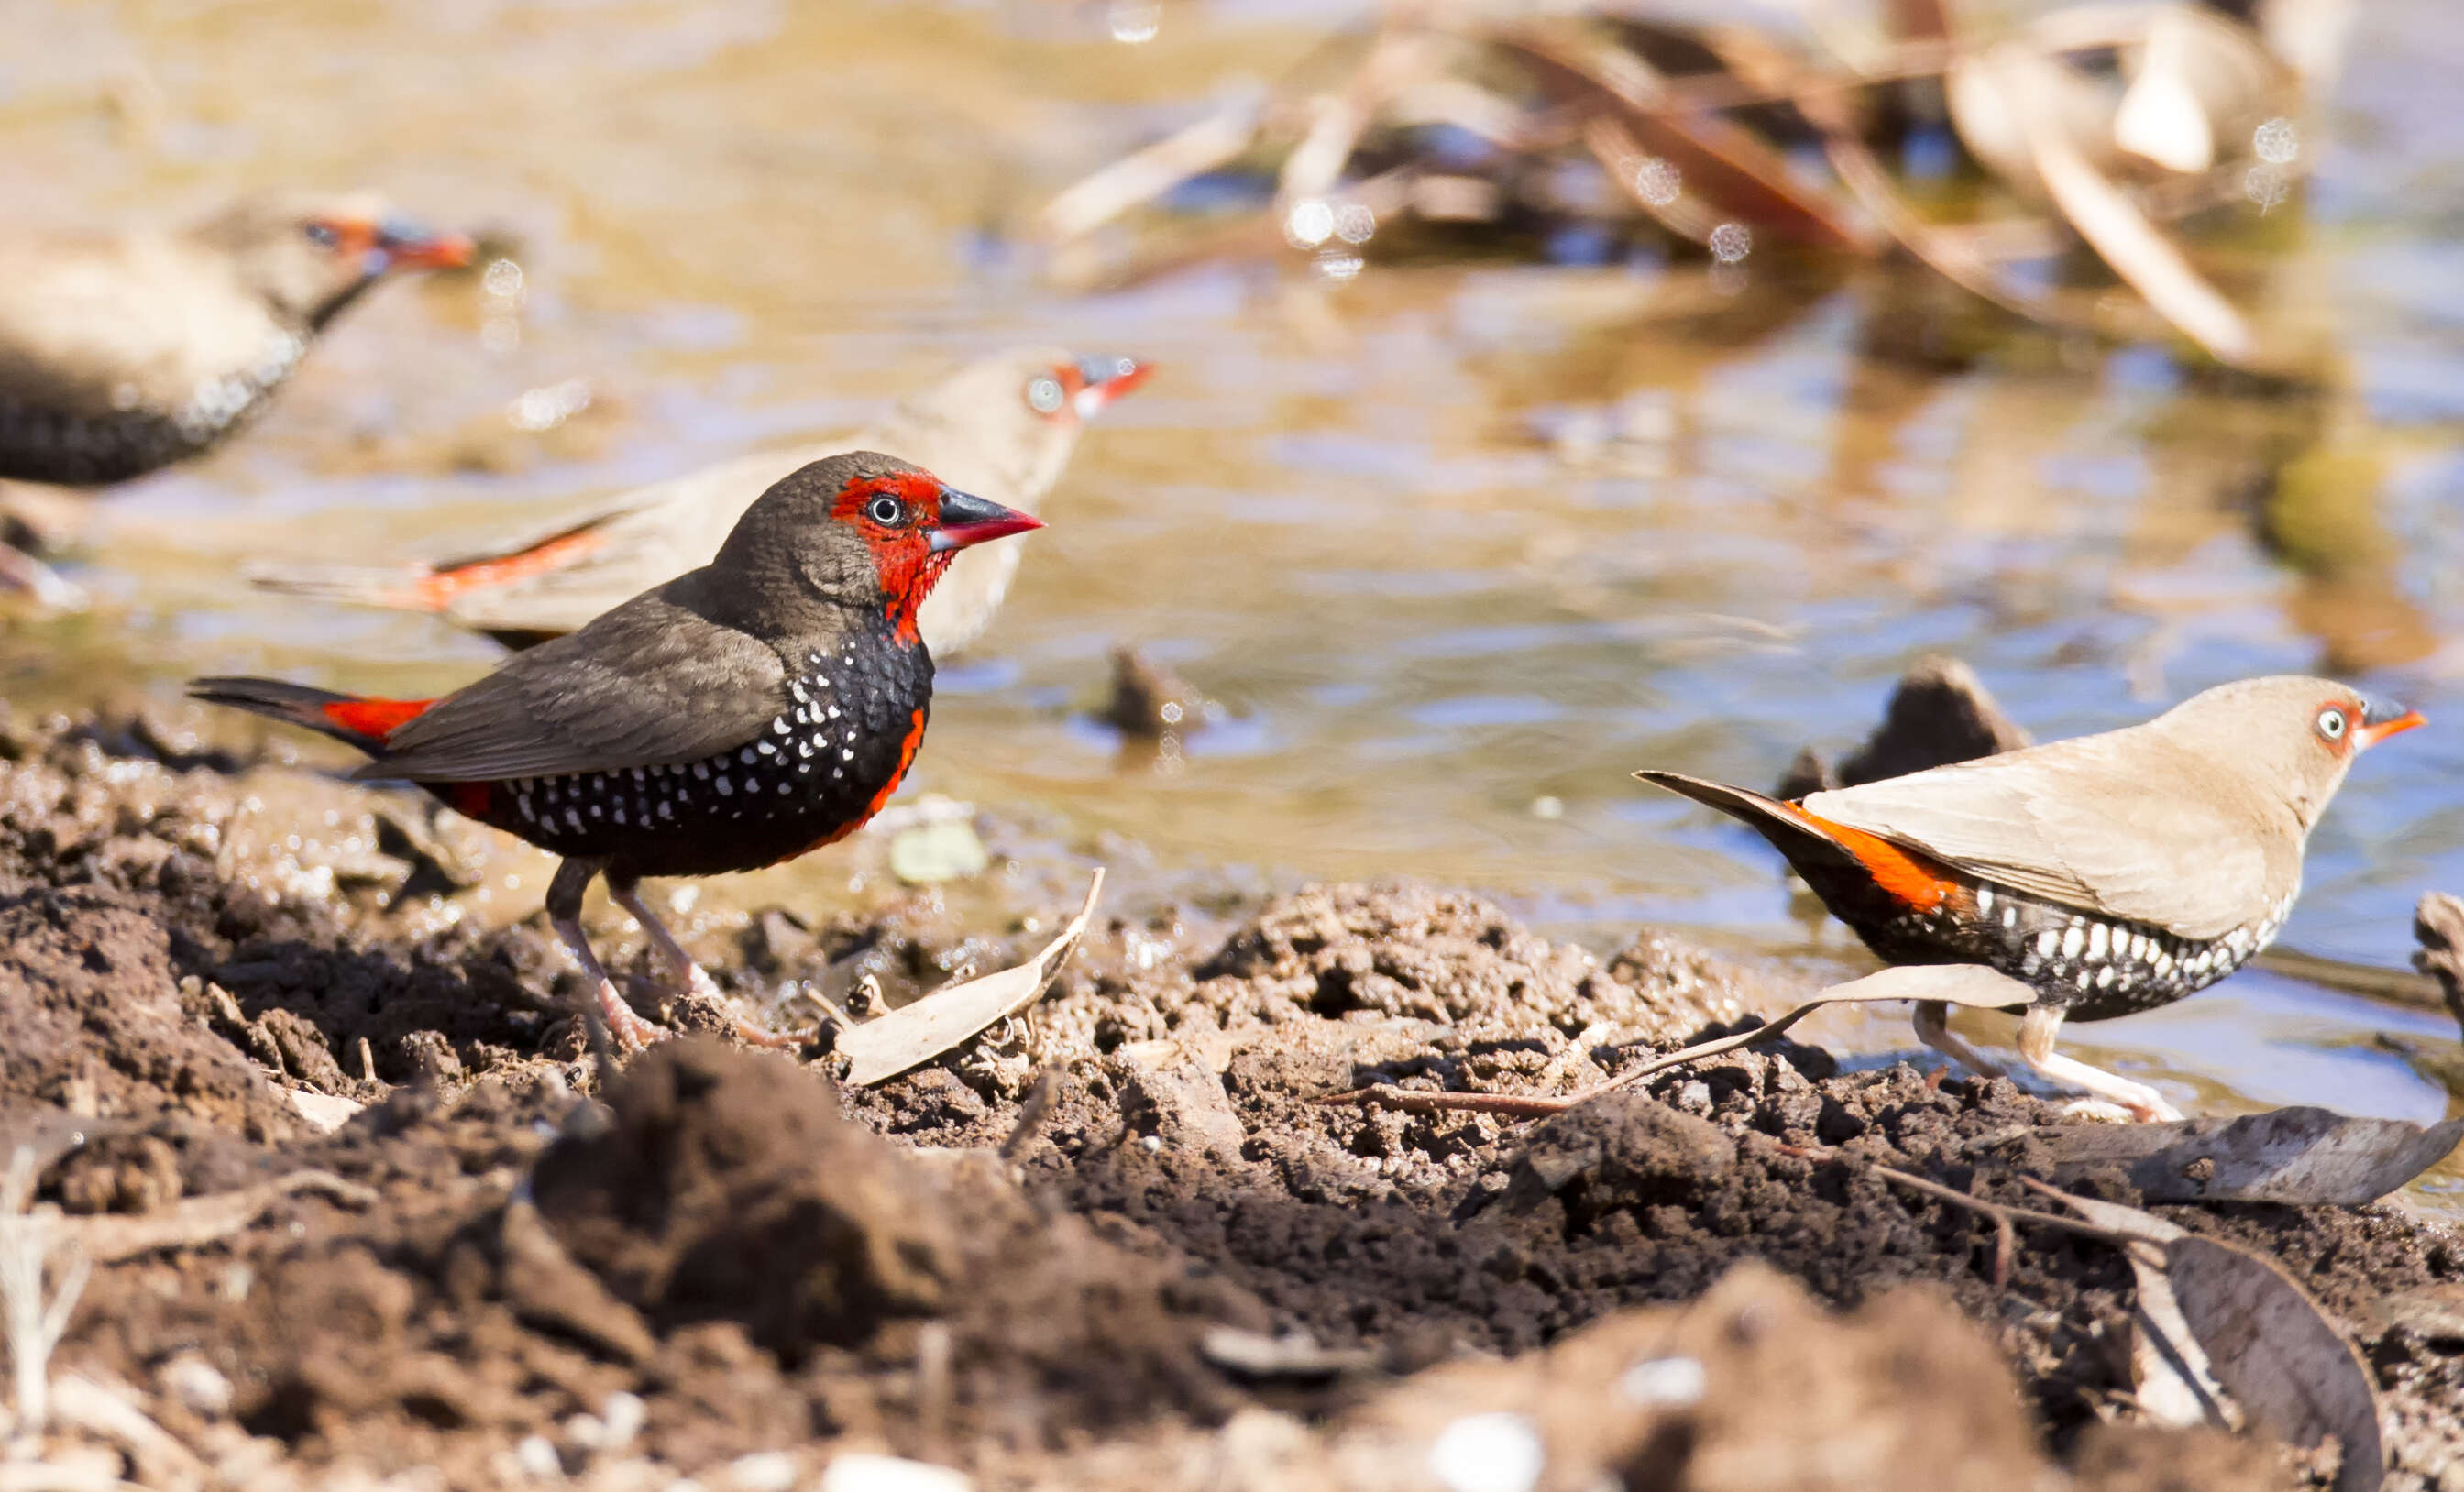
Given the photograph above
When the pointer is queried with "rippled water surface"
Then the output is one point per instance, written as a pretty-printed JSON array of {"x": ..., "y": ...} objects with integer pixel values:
[{"x": 1458, "y": 547}]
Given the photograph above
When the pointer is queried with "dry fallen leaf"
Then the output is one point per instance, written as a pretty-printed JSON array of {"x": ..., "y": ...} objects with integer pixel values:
[
  {"x": 2263, "y": 1339},
  {"x": 2301, "y": 1156},
  {"x": 2275, "y": 1350},
  {"x": 912, "y": 1035}
]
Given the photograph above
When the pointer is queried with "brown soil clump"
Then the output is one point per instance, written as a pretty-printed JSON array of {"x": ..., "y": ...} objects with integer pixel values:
[{"x": 1114, "y": 1244}]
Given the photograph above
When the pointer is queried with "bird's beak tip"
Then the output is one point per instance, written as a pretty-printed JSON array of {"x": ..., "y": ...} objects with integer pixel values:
[
  {"x": 967, "y": 520},
  {"x": 1102, "y": 387},
  {"x": 2371, "y": 734},
  {"x": 415, "y": 251}
]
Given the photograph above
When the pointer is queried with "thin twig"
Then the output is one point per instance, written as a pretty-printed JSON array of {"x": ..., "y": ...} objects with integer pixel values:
[{"x": 1031, "y": 1112}]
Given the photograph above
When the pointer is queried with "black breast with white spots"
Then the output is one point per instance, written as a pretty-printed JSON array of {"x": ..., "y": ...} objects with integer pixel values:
[
  {"x": 42, "y": 444},
  {"x": 843, "y": 736},
  {"x": 2092, "y": 967}
]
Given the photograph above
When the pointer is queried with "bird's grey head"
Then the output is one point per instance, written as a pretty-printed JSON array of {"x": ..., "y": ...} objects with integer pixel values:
[
  {"x": 309, "y": 255},
  {"x": 856, "y": 535},
  {"x": 2286, "y": 734}
]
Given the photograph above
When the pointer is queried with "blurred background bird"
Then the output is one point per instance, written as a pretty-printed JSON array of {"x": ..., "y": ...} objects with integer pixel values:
[
  {"x": 1003, "y": 427},
  {"x": 121, "y": 353}
]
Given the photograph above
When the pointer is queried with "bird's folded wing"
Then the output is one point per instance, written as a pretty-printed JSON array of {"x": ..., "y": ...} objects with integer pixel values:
[
  {"x": 2115, "y": 827},
  {"x": 649, "y": 684}
]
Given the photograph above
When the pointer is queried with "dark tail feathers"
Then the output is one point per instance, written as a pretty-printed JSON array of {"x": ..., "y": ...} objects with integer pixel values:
[
  {"x": 1789, "y": 831},
  {"x": 365, "y": 723}
]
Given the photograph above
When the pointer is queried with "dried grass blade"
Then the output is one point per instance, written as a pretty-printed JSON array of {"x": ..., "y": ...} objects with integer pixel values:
[{"x": 1719, "y": 161}]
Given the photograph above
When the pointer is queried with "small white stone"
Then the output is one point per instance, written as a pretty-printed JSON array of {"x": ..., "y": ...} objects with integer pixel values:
[
  {"x": 763, "y": 1471},
  {"x": 1664, "y": 1382},
  {"x": 536, "y": 1455},
  {"x": 855, "y": 1472},
  {"x": 1489, "y": 1453},
  {"x": 198, "y": 1385}
]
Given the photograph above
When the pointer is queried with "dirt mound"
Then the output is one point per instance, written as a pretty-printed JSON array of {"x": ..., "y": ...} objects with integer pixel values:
[{"x": 1173, "y": 1267}]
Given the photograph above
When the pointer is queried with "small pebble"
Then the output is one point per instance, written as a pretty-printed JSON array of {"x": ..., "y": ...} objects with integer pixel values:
[
  {"x": 763, "y": 1471},
  {"x": 861, "y": 1473},
  {"x": 1489, "y": 1453},
  {"x": 536, "y": 1455},
  {"x": 1664, "y": 1382},
  {"x": 198, "y": 1385},
  {"x": 622, "y": 1417}
]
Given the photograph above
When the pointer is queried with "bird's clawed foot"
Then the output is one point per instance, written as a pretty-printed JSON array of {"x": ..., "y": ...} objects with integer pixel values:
[
  {"x": 692, "y": 978},
  {"x": 627, "y": 1031},
  {"x": 2112, "y": 1096}
]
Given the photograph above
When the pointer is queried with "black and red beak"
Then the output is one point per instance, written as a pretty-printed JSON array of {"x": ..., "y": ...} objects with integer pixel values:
[
  {"x": 1101, "y": 380},
  {"x": 2379, "y": 721},
  {"x": 969, "y": 519},
  {"x": 403, "y": 245}
]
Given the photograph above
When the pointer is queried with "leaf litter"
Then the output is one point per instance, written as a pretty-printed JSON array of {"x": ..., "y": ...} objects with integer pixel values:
[{"x": 2116, "y": 131}]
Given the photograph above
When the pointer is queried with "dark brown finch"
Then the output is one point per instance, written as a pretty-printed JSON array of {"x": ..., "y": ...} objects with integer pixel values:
[{"x": 741, "y": 714}]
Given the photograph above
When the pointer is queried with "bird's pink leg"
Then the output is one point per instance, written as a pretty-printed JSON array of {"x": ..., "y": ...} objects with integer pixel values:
[
  {"x": 628, "y": 1031},
  {"x": 1933, "y": 1028},
  {"x": 2036, "y": 1031},
  {"x": 695, "y": 979}
]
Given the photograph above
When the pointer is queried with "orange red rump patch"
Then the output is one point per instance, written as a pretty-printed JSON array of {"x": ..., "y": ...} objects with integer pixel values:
[
  {"x": 1917, "y": 881},
  {"x": 436, "y": 592},
  {"x": 376, "y": 718}
]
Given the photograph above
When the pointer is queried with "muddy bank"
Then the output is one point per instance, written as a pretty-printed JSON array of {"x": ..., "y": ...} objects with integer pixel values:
[{"x": 1114, "y": 1245}]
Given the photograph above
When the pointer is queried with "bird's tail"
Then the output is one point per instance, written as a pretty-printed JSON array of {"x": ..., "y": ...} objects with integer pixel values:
[
  {"x": 403, "y": 587},
  {"x": 1790, "y": 829},
  {"x": 365, "y": 723},
  {"x": 430, "y": 587}
]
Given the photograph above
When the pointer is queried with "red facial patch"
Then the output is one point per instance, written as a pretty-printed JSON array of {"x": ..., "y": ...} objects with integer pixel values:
[
  {"x": 1916, "y": 881},
  {"x": 351, "y": 237},
  {"x": 436, "y": 592},
  {"x": 902, "y": 554},
  {"x": 374, "y": 718}
]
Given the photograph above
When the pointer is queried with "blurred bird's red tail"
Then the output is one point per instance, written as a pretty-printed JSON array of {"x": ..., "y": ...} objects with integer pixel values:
[
  {"x": 425, "y": 588},
  {"x": 365, "y": 723}
]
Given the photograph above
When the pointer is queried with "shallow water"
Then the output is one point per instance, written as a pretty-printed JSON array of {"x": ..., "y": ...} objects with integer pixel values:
[{"x": 1458, "y": 547}]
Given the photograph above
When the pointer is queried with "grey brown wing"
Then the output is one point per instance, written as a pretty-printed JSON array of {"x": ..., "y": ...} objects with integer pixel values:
[
  {"x": 2129, "y": 842},
  {"x": 651, "y": 683}
]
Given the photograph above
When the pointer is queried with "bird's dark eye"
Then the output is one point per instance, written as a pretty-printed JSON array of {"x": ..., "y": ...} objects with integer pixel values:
[
  {"x": 1045, "y": 394},
  {"x": 321, "y": 235},
  {"x": 2330, "y": 724},
  {"x": 887, "y": 510}
]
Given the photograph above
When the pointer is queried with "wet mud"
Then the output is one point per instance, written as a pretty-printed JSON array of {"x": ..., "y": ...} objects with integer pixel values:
[{"x": 1114, "y": 1244}]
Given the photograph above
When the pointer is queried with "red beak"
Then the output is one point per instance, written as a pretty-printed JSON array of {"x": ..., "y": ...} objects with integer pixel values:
[
  {"x": 407, "y": 246},
  {"x": 969, "y": 519},
  {"x": 1103, "y": 379},
  {"x": 2369, "y": 735}
]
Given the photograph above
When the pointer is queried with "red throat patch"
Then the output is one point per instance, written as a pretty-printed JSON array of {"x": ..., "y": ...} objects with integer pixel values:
[{"x": 903, "y": 557}]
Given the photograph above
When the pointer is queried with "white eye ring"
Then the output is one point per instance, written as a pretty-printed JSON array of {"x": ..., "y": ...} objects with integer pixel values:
[
  {"x": 1044, "y": 393},
  {"x": 887, "y": 512},
  {"x": 2331, "y": 723}
]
